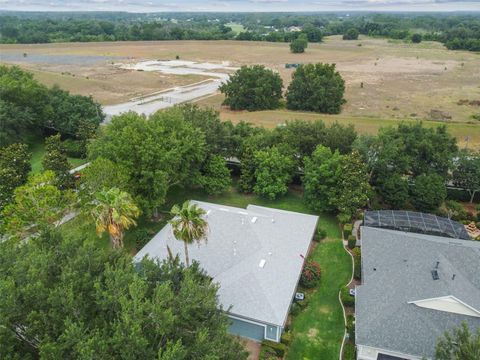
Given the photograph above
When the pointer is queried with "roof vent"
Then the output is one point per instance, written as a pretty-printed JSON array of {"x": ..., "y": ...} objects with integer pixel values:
[
  {"x": 254, "y": 219},
  {"x": 435, "y": 275},
  {"x": 262, "y": 263}
]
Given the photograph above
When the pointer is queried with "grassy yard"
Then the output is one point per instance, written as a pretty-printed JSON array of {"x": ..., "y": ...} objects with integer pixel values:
[
  {"x": 37, "y": 147},
  {"x": 236, "y": 28},
  {"x": 318, "y": 330}
]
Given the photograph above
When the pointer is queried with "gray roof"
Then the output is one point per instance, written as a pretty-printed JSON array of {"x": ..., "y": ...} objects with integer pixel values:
[
  {"x": 396, "y": 269},
  {"x": 233, "y": 252}
]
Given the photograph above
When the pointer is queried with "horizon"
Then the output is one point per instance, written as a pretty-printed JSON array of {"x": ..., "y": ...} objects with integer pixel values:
[{"x": 242, "y": 6}]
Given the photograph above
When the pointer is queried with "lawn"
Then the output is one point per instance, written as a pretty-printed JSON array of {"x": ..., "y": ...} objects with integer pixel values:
[
  {"x": 37, "y": 147},
  {"x": 318, "y": 330},
  {"x": 236, "y": 28}
]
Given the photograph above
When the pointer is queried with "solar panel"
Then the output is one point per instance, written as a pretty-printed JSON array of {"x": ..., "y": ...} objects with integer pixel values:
[{"x": 416, "y": 222}]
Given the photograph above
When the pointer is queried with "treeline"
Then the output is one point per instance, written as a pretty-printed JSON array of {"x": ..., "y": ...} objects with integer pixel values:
[
  {"x": 28, "y": 109},
  {"x": 453, "y": 30}
]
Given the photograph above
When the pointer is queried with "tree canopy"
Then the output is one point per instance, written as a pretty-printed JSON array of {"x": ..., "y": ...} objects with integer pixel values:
[
  {"x": 70, "y": 298},
  {"x": 253, "y": 88},
  {"x": 316, "y": 87},
  {"x": 351, "y": 34},
  {"x": 460, "y": 344},
  {"x": 14, "y": 169},
  {"x": 158, "y": 153}
]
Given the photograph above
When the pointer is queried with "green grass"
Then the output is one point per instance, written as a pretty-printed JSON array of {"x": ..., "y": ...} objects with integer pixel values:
[
  {"x": 37, "y": 147},
  {"x": 318, "y": 330},
  {"x": 236, "y": 28}
]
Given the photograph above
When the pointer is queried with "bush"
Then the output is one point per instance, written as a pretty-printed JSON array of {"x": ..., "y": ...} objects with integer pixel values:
[
  {"x": 349, "y": 352},
  {"x": 416, "y": 38},
  {"x": 267, "y": 353},
  {"x": 74, "y": 148},
  {"x": 352, "y": 241},
  {"x": 287, "y": 338},
  {"x": 302, "y": 303},
  {"x": 455, "y": 210},
  {"x": 347, "y": 230},
  {"x": 347, "y": 299},
  {"x": 357, "y": 263},
  {"x": 351, "y": 34},
  {"x": 299, "y": 45},
  {"x": 351, "y": 327},
  {"x": 278, "y": 348},
  {"x": 295, "y": 309},
  {"x": 140, "y": 237},
  {"x": 311, "y": 274},
  {"x": 321, "y": 234}
]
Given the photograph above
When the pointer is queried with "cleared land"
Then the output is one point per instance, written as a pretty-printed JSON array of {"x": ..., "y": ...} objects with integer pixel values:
[{"x": 400, "y": 81}]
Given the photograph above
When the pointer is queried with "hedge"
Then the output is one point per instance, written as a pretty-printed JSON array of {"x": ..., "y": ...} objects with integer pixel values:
[
  {"x": 347, "y": 230},
  {"x": 349, "y": 352},
  {"x": 357, "y": 263},
  {"x": 352, "y": 241},
  {"x": 278, "y": 348},
  {"x": 347, "y": 299}
]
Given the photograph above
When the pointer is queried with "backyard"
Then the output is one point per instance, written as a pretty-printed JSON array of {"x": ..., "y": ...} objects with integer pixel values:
[{"x": 318, "y": 330}]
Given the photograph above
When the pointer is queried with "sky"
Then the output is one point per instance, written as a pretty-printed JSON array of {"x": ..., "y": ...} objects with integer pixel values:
[{"x": 240, "y": 5}]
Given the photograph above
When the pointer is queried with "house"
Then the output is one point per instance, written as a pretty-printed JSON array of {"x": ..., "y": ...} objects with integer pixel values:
[
  {"x": 256, "y": 255},
  {"x": 414, "y": 288}
]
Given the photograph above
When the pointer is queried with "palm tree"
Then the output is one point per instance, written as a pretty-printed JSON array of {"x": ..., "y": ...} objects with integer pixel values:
[
  {"x": 188, "y": 225},
  {"x": 114, "y": 212}
]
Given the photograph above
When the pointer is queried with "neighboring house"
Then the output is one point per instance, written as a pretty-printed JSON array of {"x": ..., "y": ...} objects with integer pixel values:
[
  {"x": 415, "y": 287},
  {"x": 256, "y": 255},
  {"x": 294, "y": 29}
]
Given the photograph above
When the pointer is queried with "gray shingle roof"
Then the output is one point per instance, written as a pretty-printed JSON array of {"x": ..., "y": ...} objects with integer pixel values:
[
  {"x": 396, "y": 269},
  {"x": 233, "y": 252}
]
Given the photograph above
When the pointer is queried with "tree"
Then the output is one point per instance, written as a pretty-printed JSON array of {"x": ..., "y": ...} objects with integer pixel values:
[
  {"x": 351, "y": 34},
  {"x": 416, "y": 38},
  {"x": 14, "y": 169},
  {"x": 66, "y": 298},
  {"x": 188, "y": 225},
  {"x": 316, "y": 87},
  {"x": 321, "y": 175},
  {"x": 100, "y": 175},
  {"x": 340, "y": 137},
  {"x": 299, "y": 45},
  {"x": 114, "y": 211},
  {"x": 352, "y": 189},
  {"x": 466, "y": 172},
  {"x": 273, "y": 173},
  {"x": 158, "y": 153},
  {"x": 394, "y": 190},
  {"x": 461, "y": 344},
  {"x": 428, "y": 192},
  {"x": 253, "y": 88},
  {"x": 37, "y": 206},
  {"x": 55, "y": 159},
  {"x": 216, "y": 175}
]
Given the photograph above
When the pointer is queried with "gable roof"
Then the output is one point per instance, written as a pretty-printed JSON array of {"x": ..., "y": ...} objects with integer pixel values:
[
  {"x": 238, "y": 241},
  {"x": 397, "y": 273}
]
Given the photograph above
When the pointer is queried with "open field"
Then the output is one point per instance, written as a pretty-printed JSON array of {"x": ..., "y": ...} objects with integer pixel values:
[{"x": 400, "y": 80}]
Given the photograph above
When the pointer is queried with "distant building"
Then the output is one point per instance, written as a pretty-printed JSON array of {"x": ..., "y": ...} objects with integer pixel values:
[
  {"x": 294, "y": 29},
  {"x": 256, "y": 255},
  {"x": 414, "y": 288}
]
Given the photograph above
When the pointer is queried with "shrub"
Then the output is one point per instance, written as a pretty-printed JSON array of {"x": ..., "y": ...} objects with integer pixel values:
[
  {"x": 299, "y": 45},
  {"x": 287, "y": 338},
  {"x": 349, "y": 352},
  {"x": 278, "y": 348},
  {"x": 351, "y": 327},
  {"x": 351, "y": 34},
  {"x": 352, "y": 241},
  {"x": 321, "y": 234},
  {"x": 302, "y": 303},
  {"x": 416, "y": 38},
  {"x": 74, "y": 148},
  {"x": 357, "y": 263},
  {"x": 455, "y": 210},
  {"x": 310, "y": 274},
  {"x": 267, "y": 353},
  {"x": 295, "y": 309},
  {"x": 347, "y": 230},
  {"x": 347, "y": 299},
  {"x": 140, "y": 237}
]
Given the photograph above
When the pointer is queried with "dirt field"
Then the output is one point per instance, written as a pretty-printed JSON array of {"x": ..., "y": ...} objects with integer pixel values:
[{"x": 400, "y": 81}]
